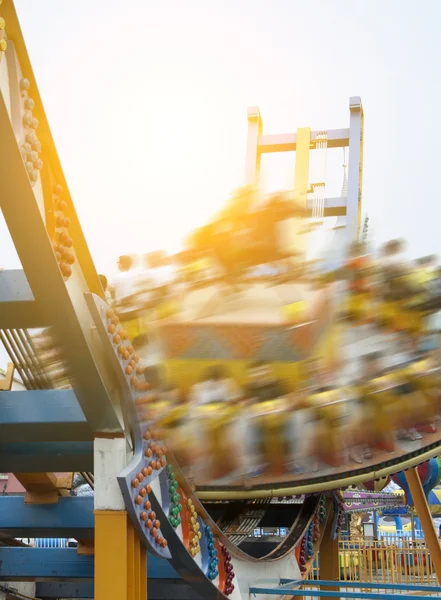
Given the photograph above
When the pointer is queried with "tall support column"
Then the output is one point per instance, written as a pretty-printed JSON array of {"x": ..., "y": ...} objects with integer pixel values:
[
  {"x": 301, "y": 173},
  {"x": 252, "y": 161},
  {"x": 355, "y": 170},
  {"x": 136, "y": 574},
  {"x": 112, "y": 574},
  {"x": 143, "y": 573},
  {"x": 329, "y": 554},
  {"x": 296, "y": 243},
  {"x": 423, "y": 512},
  {"x": 119, "y": 572}
]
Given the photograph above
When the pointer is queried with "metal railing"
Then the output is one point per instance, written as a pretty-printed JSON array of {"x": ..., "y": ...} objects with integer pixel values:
[
  {"x": 357, "y": 590},
  {"x": 393, "y": 560}
]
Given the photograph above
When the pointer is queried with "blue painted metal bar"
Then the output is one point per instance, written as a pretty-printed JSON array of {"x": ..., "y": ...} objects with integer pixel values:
[
  {"x": 21, "y": 315},
  {"x": 163, "y": 589},
  {"x": 21, "y": 564},
  {"x": 53, "y": 589},
  {"x": 41, "y": 563},
  {"x": 70, "y": 517},
  {"x": 364, "y": 585},
  {"x": 18, "y": 309},
  {"x": 14, "y": 286},
  {"x": 327, "y": 594},
  {"x": 42, "y": 416},
  {"x": 42, "y": 457}
]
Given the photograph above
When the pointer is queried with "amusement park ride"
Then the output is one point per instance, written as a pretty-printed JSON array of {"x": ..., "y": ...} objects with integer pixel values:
[{"x": 143, "y": 505}]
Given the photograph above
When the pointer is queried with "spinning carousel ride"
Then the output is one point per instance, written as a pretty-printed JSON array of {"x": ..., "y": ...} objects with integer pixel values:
[{"x": 142, "y": 500}]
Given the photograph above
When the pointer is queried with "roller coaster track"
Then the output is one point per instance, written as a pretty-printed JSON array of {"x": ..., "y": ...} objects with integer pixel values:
[{"x": 168, "y": 516}]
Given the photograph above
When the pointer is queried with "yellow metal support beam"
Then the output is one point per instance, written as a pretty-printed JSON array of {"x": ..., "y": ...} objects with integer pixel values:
[
  {"x": 301, "y": 174},
  {"x": 329, "y": 554},
  {"x": 6, "y": 382},
  {"x": 41, "y": 488},
  {"x": 131, "y": 564},
  {"x": 86, "y": 547},
  {"x": 44, "y": 488},
  {"x": 423, "y": 513},
  {"x": 143, "y": 573},
  {"x": 138, "y": 584},
  {"x": 111, "y": 555},
  {"x": 297, "y": 243},
  {"x": 120, "y": 562}
]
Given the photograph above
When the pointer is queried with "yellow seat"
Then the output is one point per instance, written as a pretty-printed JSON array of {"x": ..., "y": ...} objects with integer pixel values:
[
  {"x": 170, "y": 416},
  {"x": 400, "y": 318},
  {"x": 218, "y": 417},
  {"x": 294, "y": 312},
  {"x": 357, "y": 306},
  {"x": 321, "y": 402},
  {"x": 268, "y": 407},
  {"x": 166, "y": 309},
  {"x": 329, "y": 415},
  {"x": 133, "y": 326},
  {"x": 381, "y": 400},
  {"x": 426, "y": 381},
  {"x": 271, "y": 417}
]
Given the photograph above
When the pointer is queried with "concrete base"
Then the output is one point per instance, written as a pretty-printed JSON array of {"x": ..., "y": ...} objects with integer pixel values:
[
  {"x": 27, "y": 589},
  {"x": 110, "y": 458}
]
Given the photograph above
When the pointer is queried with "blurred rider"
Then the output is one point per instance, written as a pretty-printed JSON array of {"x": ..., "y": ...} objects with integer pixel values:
[
  {"x": 394, "y": 270},
  {"x": 124, "y": 283},
  {"x": 357, "y": 272},
  {"x": 263, "y": 386},
  {"x": 216, "y": 385},
  {"x": 106, "y": 290},
  {"x": 372, "y": 369},
  {"x": 213, "y": 422}
]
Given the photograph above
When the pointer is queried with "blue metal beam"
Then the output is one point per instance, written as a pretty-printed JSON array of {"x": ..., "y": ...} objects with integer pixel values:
[
  {"x": 33, "y": 564},
  {"x": 42, "y": 416},
  {"x": 52, "y": 589},
  {"x": 281, "y": 591},
  {"x": 39, "y": 564},
  {"x": 363, "y": 584},
  {"x": 14, "y": 286},
  {"x": 21, "y": 315},
  {"x": 18, "y": 309},
  {"x": 70, "y": 517},
  {"x": 46, "y": 456},
  {"x": 157, "y": 589}
]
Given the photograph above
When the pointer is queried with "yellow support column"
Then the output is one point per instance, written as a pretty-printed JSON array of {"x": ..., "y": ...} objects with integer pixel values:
[
  {"x": 143, "y": 573},
  {"x": 137, "y": 576},
  {"x": 423, "y": 512},
  {"x": 138, "y": 582},
  {"x": 290, "y": 229},
  {"x": 301, "y": 175},
  {"x": 131, "y": 565},
  {"x": 111, "y": 555},
  {"x": 120, "y": 563}
]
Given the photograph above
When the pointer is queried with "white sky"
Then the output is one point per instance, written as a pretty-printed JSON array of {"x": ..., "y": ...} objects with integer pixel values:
[{"x": 147, "y": 103}]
